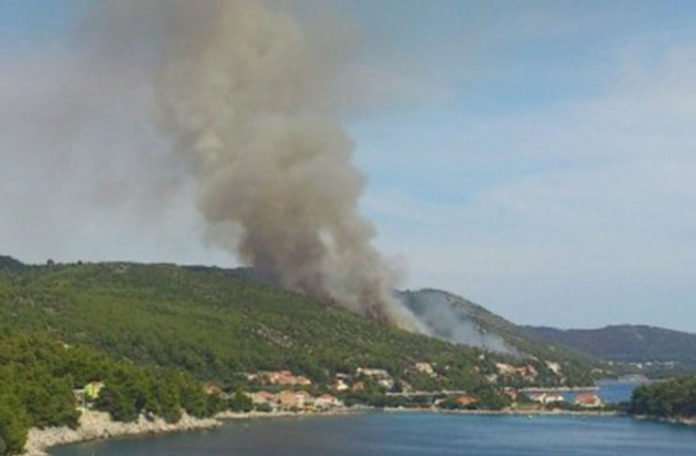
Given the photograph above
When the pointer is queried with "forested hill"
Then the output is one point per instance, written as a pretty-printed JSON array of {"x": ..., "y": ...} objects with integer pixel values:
[
  {"x": 627, "y": 343},
  {"x": 216, "y": 325},
  {"x": 673, "y": 399}
]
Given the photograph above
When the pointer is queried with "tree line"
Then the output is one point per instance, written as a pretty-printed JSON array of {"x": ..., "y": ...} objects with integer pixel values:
[
  {"x": 38, "y": 376},
  {"x": 674, "y": 398}
]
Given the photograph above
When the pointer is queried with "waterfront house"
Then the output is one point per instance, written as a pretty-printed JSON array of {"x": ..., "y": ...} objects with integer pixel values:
[
  {"x": 588, "y": 400},
  {"x": 92, "y": 389},
  {"x": 295, "y": 400},
  {"x": 465, "y": 400},
  {"x": 263, "y": 397},
  {"x": 547, "y": 397},
  {"x": 327, "y": 402}
]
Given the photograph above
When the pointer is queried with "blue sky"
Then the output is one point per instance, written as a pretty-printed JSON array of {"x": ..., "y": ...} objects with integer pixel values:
[{"x": 536, "y": 157}]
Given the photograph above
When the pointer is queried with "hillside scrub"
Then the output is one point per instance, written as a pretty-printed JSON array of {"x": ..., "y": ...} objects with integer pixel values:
[{"x": 217, "y": 324}]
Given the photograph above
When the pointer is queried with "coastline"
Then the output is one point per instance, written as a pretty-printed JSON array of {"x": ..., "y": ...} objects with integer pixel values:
[
  {"x": 99, "y": 425},
  {"x": 559, "y": 389},
  {"x": 510, "y": 412},
  {"x": 684, "y": 421},
  {"x": 94, "y": 425}
]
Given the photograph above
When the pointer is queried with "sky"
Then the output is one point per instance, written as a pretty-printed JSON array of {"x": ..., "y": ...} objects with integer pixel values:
[{"x": 538, "y": 158}]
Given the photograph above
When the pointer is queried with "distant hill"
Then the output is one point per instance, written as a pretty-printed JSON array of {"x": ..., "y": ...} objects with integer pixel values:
[
  {"x": 7, "y": 262},
  {"x": 626, "y": 343}
]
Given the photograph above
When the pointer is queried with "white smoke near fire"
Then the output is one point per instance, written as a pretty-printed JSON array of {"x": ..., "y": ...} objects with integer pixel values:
[
  {"x": 246, "y": 94},
  {"x": 449, "y": 317}
]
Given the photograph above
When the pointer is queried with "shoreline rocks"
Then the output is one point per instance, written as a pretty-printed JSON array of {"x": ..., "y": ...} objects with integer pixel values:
[
  {"x": 95, "y": 425},
  {"x": 685, "y": 421}
]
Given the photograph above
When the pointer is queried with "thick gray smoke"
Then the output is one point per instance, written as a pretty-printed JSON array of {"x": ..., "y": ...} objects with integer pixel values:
[{"x": 246, "y": 95}]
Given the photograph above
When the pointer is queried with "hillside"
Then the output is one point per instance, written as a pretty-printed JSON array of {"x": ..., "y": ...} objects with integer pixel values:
[
  {"x": 454, "y": 318},
  {"x": 217, "y": 325},
  {"x": 626, "y": 343}
]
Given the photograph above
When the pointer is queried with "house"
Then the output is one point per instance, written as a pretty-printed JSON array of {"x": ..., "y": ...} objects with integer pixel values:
[
  {"x": 386, "y": 383},
  {"x": 511, "y": 392},
  {"x": 86, "y": 396},
  {"x": 327, "y": 401},
  {"x": 546, "y": 397},
  {"x": 380, "y": 375},
  {"x": 213, "y": 390},
  {"x": 465, "y": 400},
  {"x": 340, "y": 385},
  {"x": 372, "y": 373},
  {"x": 588, "y": 400},
  {"x": 263, "y": 397},
  {"x": 357, "y": 387},
  {"x": 505, "y": 369},
  {"x": 288, "y": 399},
  {"x": 92, "y": 390},
  {"x": 282, "y": 377},
  {"x": 526, "y": 371}
]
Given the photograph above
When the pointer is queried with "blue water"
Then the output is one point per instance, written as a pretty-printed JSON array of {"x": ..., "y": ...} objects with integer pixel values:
[
  {"x": 611, "y": 391},
  {"x": 614, "y": 391},
  {"x": 400, "y": 434}
]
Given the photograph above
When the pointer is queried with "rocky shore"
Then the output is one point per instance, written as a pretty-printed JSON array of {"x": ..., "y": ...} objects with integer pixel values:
[
  {"x": 523, "y": 412},
  {"x": 686, "y": 421},
  {"x": 99, "y": 425}
]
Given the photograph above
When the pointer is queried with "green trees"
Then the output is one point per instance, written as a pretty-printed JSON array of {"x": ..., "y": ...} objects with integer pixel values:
[
  {"x": 214, "y": 324},
  {"x": 240, "y": 402},
  {"x": 38, "y": 376},
  {"x": 13, "y": 425},
  {"x": 675, "y": 398}
]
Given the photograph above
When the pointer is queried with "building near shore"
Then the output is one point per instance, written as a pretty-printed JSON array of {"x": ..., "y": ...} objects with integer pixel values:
[
  {"x": 264, "y": 398},
  {"x": 465, "y": 400},
  {"x": 547, "y": 397},
  {"x": 588, "y": 400},
  {"x": 327, "y": 402},
  {"x": 295, "y": 400}
]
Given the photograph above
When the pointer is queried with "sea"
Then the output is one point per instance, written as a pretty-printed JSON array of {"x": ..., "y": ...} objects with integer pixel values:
[
  {"x": 415, "y": 433},
  {"x": 398, "y": 434}
]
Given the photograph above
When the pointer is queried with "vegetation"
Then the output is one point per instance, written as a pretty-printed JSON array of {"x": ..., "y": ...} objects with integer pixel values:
[
  {"x": 151, "y": 333},
  {"x": 38, "y": 375},
  {"x": 675, "y": 398},
  {"x": 215, "y": 324}
]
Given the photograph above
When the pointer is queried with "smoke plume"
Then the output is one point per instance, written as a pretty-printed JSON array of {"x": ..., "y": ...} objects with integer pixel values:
[
  {"x": 447, "y": 317},
  {"x": 247, "y": 95}
]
